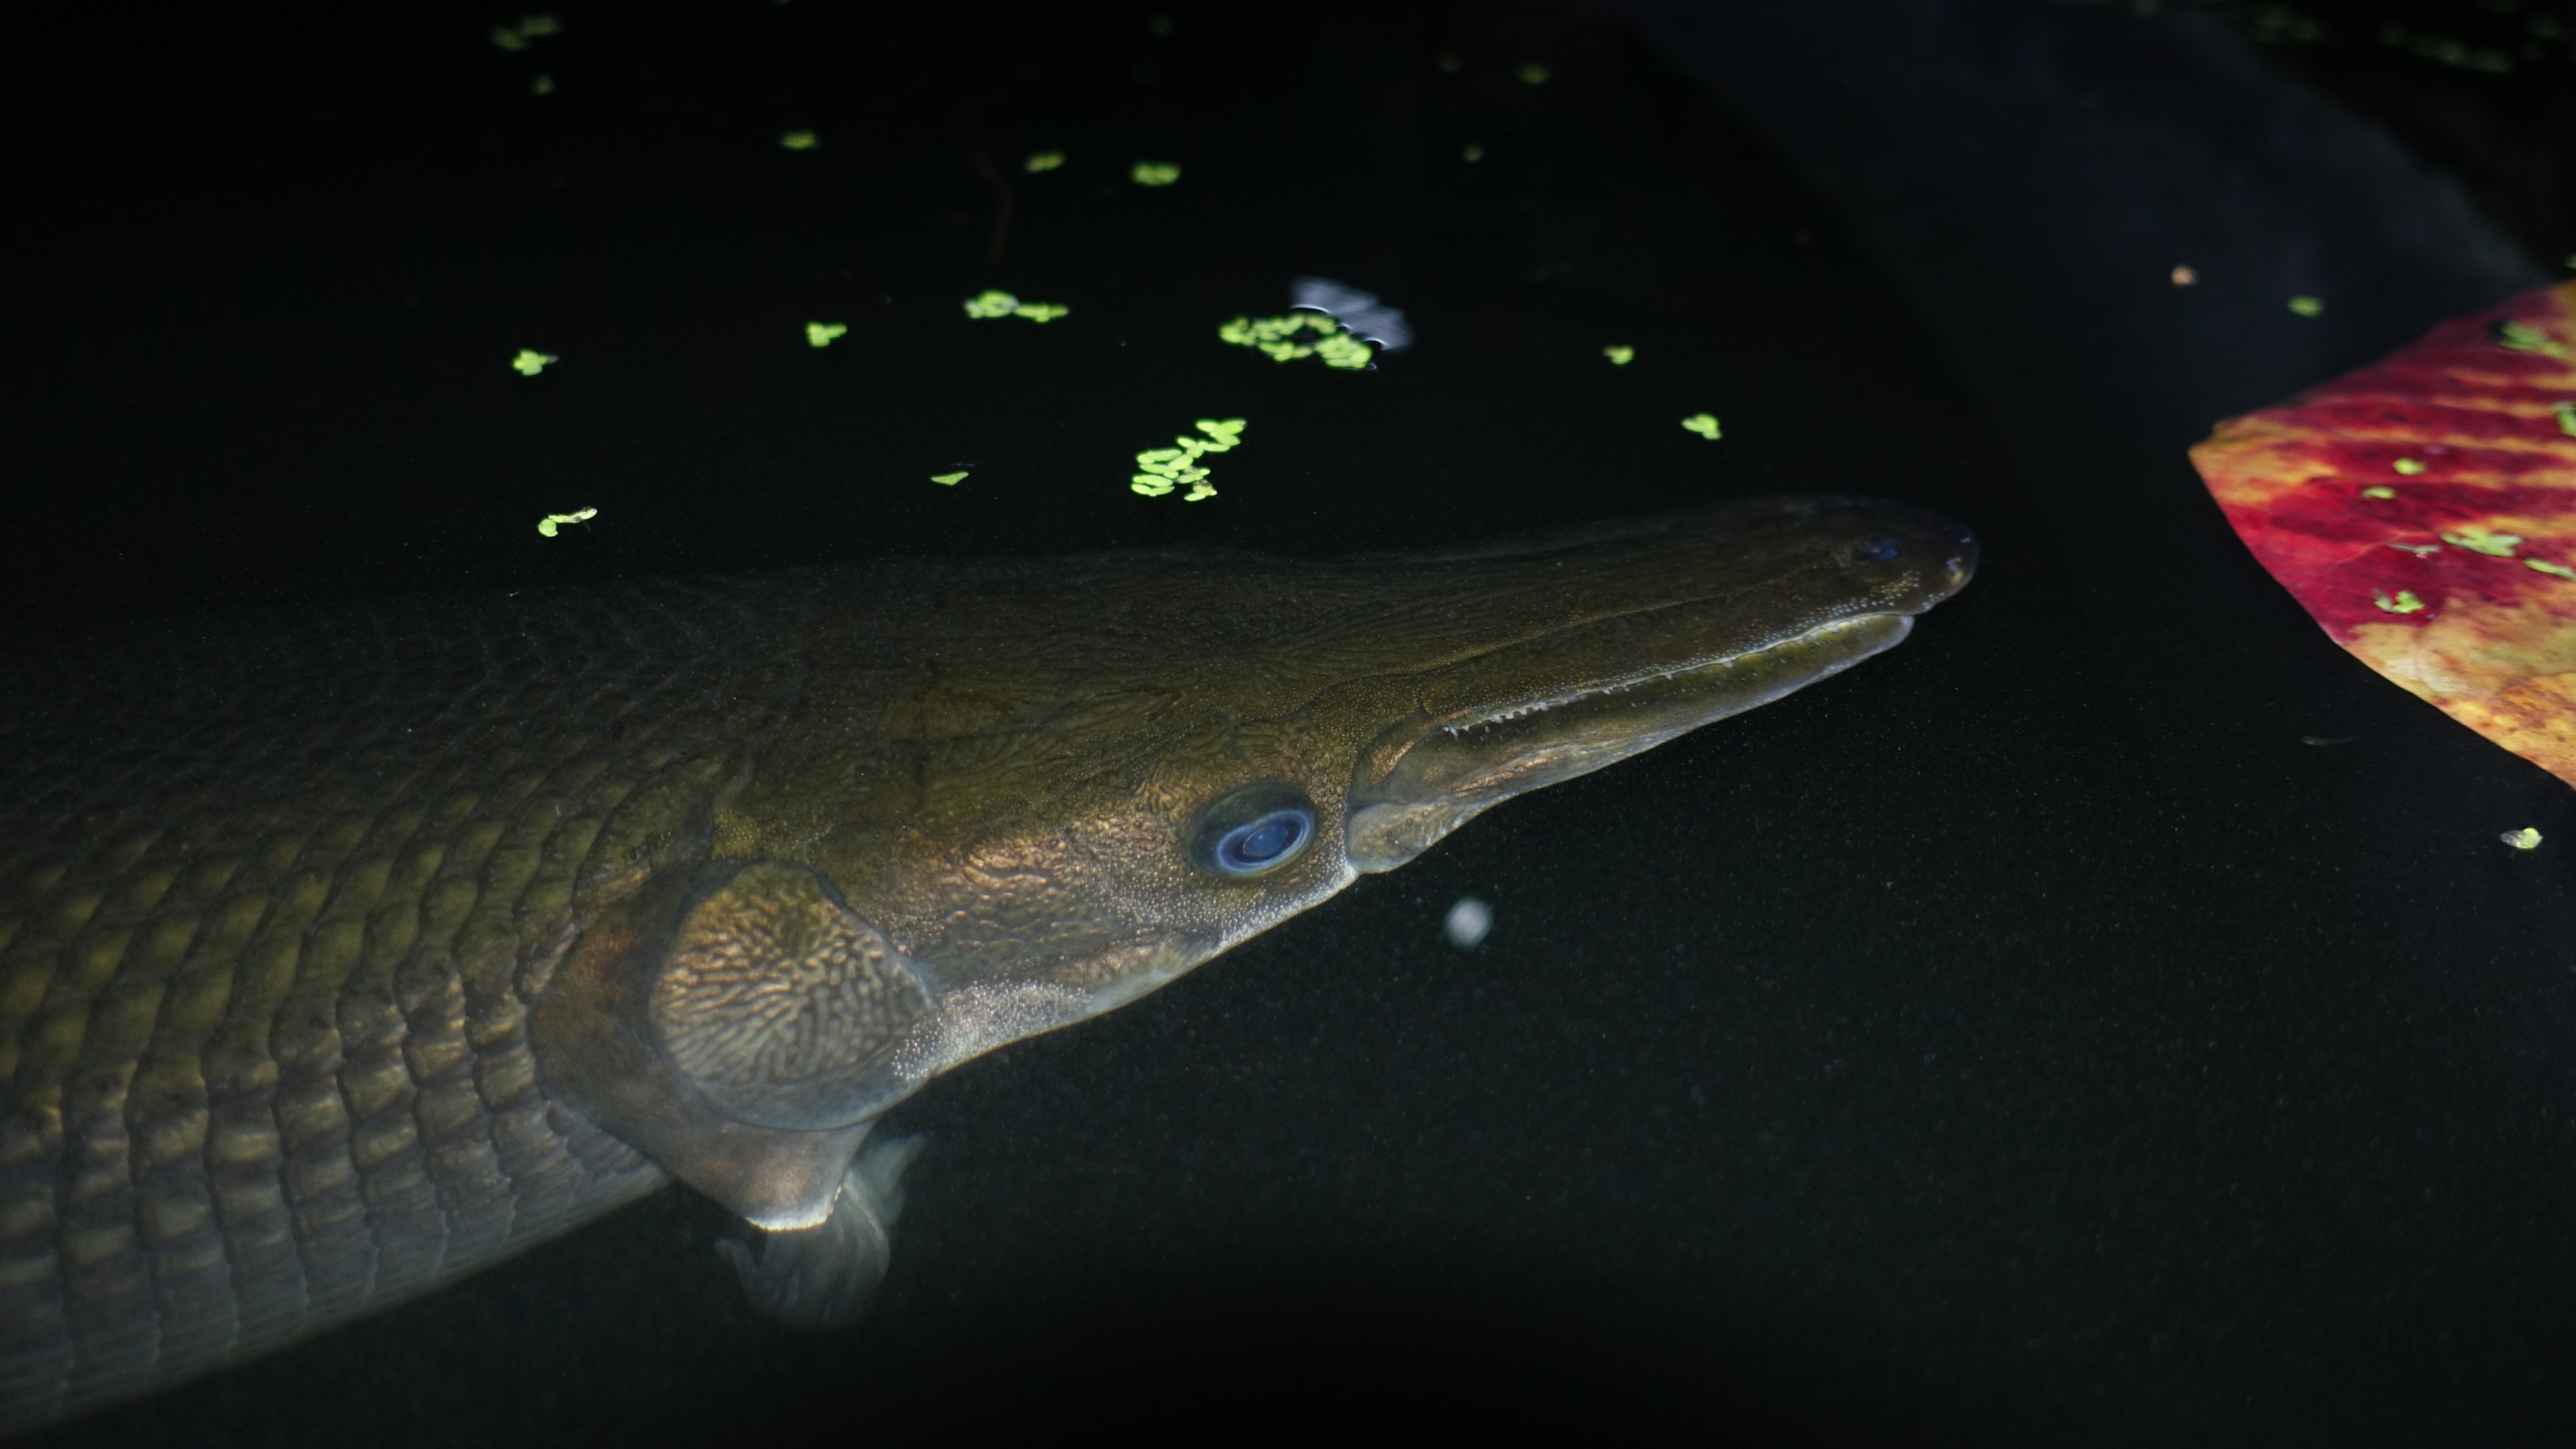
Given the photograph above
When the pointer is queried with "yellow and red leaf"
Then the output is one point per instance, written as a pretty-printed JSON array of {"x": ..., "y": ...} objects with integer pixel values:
[{"x": 2442, "y": 477}]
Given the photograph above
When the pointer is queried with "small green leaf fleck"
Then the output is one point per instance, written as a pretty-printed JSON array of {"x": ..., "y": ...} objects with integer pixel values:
[
  {"x": 2478, "y": 540},
  {"x": 553, "y": 521}
]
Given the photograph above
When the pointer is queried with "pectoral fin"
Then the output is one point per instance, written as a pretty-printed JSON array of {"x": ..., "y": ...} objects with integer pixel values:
[
  {"x": 726, "y": 1020},
  {"x": 825, "y": 1275}
]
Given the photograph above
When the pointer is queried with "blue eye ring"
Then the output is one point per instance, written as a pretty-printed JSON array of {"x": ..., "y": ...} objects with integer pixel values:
[
  {"x": 1253, "y": 831},
  {"x": 1262, "y": 844}
]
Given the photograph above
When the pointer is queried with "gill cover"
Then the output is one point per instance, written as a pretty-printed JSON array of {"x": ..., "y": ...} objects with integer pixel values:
[{"x": 729, "y": 1020}]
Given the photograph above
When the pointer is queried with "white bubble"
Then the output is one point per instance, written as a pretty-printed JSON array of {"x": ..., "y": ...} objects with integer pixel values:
[{"x": 1468, "y": 922}]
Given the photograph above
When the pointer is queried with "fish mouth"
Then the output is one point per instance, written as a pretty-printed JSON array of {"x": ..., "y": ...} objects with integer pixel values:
[{"x": 1735, "y": 608}]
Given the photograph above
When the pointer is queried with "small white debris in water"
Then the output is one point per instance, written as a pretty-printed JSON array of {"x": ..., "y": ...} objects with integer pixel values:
[
  {"x": 1468, "y": 922},
  {"x": 1369, "y": 319},
  {"x": 2185, "y": 277},
  {"x": 2524, "y": 839}
]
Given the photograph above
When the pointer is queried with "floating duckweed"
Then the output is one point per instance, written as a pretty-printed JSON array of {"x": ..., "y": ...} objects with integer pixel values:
[
  {"x": 949, "y": 480},
  {"x": 820, "y": 334},
  {"x": 1704, "y": 424},
  {"x": 2407, "y": 467},
  {"x": 2566, "y": 417},
  {"x": 2404, "y": 603},
  {"x": 530, "y": 361},
  {"x": 2382, "y": 492},
  {"x": 2478, "y": 540},
  {"x": 798, "y": 140},
  {"x": 1448, "y": 63},
  {"x": 2523, "y": 337},
  {"x": 1532, "y": 74},
  {"x": 2523, "y": 839},
  {"x": 2307, "y": 306},
  {"x": 2543, "y": 565},
  {"x": 1473, "y": 154},
  {"x": 1003, "y": 304},
  {"x": 1619, "y": 356},
  {"x": 1160, "y": 470},
  {"x": 1344, "y": 351},
  {"x": 1154, "y": 173},
  {"x": 553, "y": 521},
  {"x": 528, "y": 27},
  {"x": 1276, "y": 337},
  {"x": 1043, "y": 160},
  {"x": 543, "y": 85}
]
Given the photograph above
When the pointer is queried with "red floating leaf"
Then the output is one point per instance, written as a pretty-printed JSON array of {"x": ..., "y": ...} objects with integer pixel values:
[{"x": 2423, "y": 509}]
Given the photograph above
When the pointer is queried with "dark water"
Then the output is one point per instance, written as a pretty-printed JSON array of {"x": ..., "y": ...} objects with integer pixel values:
[{"x": 2022, "y": 1038}]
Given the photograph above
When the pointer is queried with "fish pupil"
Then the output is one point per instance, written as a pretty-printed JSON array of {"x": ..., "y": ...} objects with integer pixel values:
[{"x": 1264, "y": 840}]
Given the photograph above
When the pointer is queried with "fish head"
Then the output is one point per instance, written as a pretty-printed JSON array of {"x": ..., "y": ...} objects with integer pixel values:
[{"x": 1179, "y": 752}]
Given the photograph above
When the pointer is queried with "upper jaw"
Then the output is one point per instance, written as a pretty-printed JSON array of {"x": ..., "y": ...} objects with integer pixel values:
[{"x": 1660, "y": 627}]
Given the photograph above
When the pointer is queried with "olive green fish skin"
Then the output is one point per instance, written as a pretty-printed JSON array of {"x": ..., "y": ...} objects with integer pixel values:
[
  {"x": 275, "y": 900},
  {"x": 331, "y": 944}
]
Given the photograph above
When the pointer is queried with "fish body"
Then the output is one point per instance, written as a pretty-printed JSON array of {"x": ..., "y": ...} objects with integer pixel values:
[{"x": 347, "y": 951}]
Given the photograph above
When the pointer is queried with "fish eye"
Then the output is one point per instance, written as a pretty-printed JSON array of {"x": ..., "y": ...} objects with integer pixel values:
[
  {"x": 1253, "y": 831},
  {"x": 1877, "y": 550}
]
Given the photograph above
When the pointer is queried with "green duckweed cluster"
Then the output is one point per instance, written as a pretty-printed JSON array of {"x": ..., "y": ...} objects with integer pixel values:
[
  {"x": 2523, "y": 337},
  {"x": 1003, "y": 304},
  {"x": 1160, "y": 470},
  {"x": 2478, "y": 540},
  {"x": 554, "y": 521},
  {"x": 1277, "y": 336}
]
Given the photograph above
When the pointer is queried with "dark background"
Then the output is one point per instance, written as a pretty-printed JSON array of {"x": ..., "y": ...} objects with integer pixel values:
[{"x": 2024, "y": 1038}]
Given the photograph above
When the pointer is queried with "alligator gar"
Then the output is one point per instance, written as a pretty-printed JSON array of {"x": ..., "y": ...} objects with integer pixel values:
[{"x": 348, "y": 950}]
